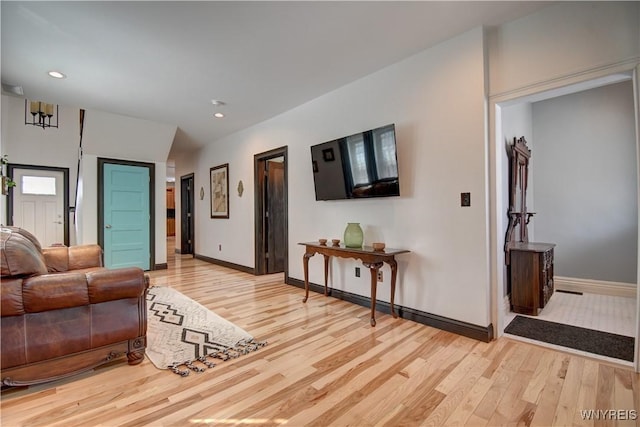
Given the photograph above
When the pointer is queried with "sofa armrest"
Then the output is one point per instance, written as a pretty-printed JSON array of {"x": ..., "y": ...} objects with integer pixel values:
[
  {"x": 11, "y": 297},
  {"x": 121, "y": 283}
]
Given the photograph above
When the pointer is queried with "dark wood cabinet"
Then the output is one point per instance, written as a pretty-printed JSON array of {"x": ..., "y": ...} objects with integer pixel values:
[
  {"x": 171, "y": 212},
  {"x": 530, "y": 264},
  {"x": 531, "y": 271}
]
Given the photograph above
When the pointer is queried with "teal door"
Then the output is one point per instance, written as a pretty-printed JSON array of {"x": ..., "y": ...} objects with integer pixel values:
[{"x": 126, "y": 216}]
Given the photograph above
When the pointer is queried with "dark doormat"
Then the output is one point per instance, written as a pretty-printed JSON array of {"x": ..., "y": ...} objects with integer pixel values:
[{"x": 589, "y": 340}]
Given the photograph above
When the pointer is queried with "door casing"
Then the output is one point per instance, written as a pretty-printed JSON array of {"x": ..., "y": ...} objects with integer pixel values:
[
  {"x": 187, "y": 222},
  {"x": 65, "y": 175},
  {"x": 259, "y": 168},
  {"x": 274, "y": 233},
  {"x": 151, "y": 166}
]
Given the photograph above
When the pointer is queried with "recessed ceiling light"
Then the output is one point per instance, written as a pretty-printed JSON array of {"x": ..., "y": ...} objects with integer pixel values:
[
  {"x": 217, "y": 102},
  {"x": 218, "y": 115},
  {"x": 56, "y": 74}
]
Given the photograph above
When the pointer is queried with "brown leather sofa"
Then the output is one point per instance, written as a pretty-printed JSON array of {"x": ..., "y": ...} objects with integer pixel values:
[{"x": 62, "y": 313}]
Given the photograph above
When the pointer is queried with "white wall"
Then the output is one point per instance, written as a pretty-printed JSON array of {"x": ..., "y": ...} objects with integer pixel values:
[
  {"x": 585, "y": 182},
  {"x": 562, "y": 40},
  {"x": 31, "y": 145},
  {"x": 105, "y": 135},
  {"x": 120, "y": 137},
  {"x": 4, "y": 120},
  {"x": 126, "y": 138},
  {"x": 565, "y": 44},
  {"x": 185, "y": 164},
  {"x": 440, "y": 131},
  {"x": 436, "y": 100}
]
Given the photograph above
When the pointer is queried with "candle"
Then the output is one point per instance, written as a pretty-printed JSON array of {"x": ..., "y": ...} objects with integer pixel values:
[{"x": 34, "y": 107}]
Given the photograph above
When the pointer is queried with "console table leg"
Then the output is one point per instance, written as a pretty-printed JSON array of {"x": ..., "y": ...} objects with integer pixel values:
[
  {"x": 326, "y": 274},
  {"x": 394, "y": 273},
  {"x": 373, "y": 268},
  {"x": 305, "y": 263},
  {"x": 374, "y": 287}
]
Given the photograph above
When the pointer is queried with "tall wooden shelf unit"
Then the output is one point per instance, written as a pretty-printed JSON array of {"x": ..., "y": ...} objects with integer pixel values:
[
  {"x": 171, "y": 211},
  {"x": 530, "y": 265}
]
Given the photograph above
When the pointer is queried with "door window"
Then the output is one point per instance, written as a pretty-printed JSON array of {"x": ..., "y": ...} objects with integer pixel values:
[{"x": 38, "y": 185}]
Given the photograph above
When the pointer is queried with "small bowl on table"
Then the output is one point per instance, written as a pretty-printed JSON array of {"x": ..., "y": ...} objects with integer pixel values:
[
  {"x": 335, "y": 242},
  {"x": 322, "y": 241},
  {"x": 378, "y": 246}
]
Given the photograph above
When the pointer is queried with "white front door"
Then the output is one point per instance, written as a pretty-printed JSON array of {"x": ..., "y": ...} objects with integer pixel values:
[{"x": 38, "y": 204}]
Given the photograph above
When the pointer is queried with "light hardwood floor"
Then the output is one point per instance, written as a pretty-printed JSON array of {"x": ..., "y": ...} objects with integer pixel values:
[{"x": 325, "y": 366}]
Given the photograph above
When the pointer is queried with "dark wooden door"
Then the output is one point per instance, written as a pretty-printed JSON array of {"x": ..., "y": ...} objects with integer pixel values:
[
  {"x": 186, "y": 214},
  {"x": 275, "y": 217}
]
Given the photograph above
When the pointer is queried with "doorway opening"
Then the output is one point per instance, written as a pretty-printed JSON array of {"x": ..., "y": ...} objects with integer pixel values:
[
  {"x": 187, "y": 215},
  {"x": 536, "y": 113},
  {"x": 271, "y": 212},
  {"x": 40, "y": 202},
  {"x": 126, "y": 213}
]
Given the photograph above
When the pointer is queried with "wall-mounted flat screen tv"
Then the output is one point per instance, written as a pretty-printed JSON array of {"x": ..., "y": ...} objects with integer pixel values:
[{"x": 357, "y": 166}]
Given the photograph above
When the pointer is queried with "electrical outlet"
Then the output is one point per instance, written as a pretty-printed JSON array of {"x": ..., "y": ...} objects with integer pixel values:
[
  {"x": 357, "y": 271},
  {"x": 465, "y": 199},
  {"x": 380, "y": 277},
  {"x": 220, "y": 247}
]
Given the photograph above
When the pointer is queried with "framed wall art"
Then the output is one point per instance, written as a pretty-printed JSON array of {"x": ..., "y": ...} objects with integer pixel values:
[
  {"x": 328, "y": 155},
  {"x": 220, "y": 191}
]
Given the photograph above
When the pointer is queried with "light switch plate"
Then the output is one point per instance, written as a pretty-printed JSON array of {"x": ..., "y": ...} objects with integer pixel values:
[{"x": 465, "y": 199}]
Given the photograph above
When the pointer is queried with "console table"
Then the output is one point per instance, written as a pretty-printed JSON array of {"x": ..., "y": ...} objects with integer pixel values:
[{"x": 372, "y": 259}]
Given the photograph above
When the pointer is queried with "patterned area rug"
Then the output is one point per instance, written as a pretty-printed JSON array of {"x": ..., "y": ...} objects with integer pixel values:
[{"x": 185, "y": 336}]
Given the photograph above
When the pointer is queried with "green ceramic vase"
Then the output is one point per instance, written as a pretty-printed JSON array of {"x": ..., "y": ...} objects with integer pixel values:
[{"x": 353, "y": 236}]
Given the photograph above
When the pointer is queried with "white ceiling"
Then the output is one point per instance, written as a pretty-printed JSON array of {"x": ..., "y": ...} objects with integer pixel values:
[{"x": 166, "y": 61}]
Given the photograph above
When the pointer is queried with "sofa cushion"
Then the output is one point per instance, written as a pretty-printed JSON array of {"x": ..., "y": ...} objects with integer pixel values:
[
  {"x": 56, "y": 258},
  {"x": 80, "y": 258},
  {"x": 19, "y": 256},
  {"x": 85, "y": 256}
]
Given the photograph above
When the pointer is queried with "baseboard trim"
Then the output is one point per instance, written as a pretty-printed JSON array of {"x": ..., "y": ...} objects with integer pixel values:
[
  {"x": 601, "y": 287},
  {"x": 162, "y": 266},
  {"x": 479, "y": 333},
  {"x": 227, "y": 264}
]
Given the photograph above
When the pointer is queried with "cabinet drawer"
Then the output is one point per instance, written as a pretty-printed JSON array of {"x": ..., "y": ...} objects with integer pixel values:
[{"x": 548, "y": 259}]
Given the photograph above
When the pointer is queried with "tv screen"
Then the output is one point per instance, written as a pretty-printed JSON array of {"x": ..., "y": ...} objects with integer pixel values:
[{"x": 357, "y": 166}]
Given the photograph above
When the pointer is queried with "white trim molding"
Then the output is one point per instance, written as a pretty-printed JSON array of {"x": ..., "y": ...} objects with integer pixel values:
[
  {"x": 617, "y": 289},
  {"x": 609, "y": 73},
  {"x": 506, "y": 304}
]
